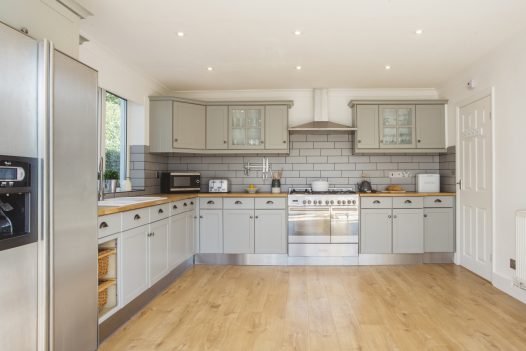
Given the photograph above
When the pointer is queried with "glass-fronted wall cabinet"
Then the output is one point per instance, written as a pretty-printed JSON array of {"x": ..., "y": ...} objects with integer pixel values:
[
  {"x": 247, "y": 129},
  {"x": 397, "y": 126}
]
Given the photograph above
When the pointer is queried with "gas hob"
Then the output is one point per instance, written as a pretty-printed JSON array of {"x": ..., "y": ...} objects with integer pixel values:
[{"x": 340, "y": 197}]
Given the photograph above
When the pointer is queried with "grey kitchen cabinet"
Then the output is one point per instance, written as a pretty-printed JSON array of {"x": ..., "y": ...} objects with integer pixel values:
[
  {"x": 276, "y": 127},
  {"x": 134, "y": 262},
  {"x": 408, "y": 230},
  {"x": 216, "y": 127},
  {"x": 161, "y": 113},
  {"x": 190, "y": 233},
  {"x": 210, "y": 231},
  {"x": 397, "y": 126},
  {"x": 246, "y": 127},
  {"x": 270, "y": 232},
  {"x": 188, "y": 126},
  {"x": 439, "y": 230},
  {"x": 177, "y": 239},
  {"x": 367, "y": 135},
  {"x": 158, "y": 251},
  {"x": 430, "y": 127},
  {"x": 238, "y": 231},
  {"x": 376, "y": 228}
]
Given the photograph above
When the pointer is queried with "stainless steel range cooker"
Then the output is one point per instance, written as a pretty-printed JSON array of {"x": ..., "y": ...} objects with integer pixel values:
[{"x": 323, "y": 224}]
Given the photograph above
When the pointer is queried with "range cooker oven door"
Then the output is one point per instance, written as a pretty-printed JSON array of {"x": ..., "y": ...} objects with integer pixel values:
[
  {"x": 309, "y": 225},
  {"x": 344, "y": 225}
]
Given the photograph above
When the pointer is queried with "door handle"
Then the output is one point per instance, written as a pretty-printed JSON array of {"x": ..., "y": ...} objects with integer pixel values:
[
  {"x": 459, "y": 183},
  {"x": 103, "y": 225},
  {"x": 238, "y": 202},
  {"x": 136, "y": 217},
  {"x": 210, "y": 202},
  {"x": 270, "y": 202},
  {"x": 408, "y": 202}
]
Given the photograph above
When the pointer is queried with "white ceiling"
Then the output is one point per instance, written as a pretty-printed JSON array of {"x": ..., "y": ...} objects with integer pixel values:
[{"x": 344, "y": 43}]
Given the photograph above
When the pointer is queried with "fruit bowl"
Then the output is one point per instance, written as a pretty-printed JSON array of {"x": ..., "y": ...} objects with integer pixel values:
[{"x": 251, "y": 190}]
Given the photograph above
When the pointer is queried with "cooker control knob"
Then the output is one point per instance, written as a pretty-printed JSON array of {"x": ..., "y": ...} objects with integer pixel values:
[
  {"x": 309, "y": 202},
  {"x": 332, "y": 202},
  {"x": 354, "y": 202},
  {"x": 315, "y": 202},
  {"x": 339, "y": 202},
  {"x": 326, "y": 202},
  {"x": 349, "y": 202},
  {"x": 304, "y": 202}
]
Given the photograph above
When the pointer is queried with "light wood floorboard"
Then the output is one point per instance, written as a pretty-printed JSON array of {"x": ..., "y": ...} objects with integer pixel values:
[{"x": 414, "y": 307}]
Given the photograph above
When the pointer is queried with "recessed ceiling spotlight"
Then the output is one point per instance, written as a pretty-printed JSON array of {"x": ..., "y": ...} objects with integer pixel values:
[
  {"x": 180, "y": 34},
  {"x": 210, "y": 68},
  {"x": 298, "y": 68},
  {"x": 297, "y": 32},
  {"x": 387, "y": 67},
  {"x": 419, "y": 31}
]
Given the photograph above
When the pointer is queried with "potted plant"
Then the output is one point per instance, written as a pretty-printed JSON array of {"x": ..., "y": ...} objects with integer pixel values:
[{"x": 110, "y": 180}]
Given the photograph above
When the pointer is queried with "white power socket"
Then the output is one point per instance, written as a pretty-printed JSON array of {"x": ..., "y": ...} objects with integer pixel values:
[{"x": 399, "y": 174}]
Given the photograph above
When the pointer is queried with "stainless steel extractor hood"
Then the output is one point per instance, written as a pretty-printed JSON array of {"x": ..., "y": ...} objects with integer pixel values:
[{"x": 321, "y": 116}]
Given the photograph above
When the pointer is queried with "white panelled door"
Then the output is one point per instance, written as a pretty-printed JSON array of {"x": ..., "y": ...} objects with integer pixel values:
[{"x": 475, "y": 193}]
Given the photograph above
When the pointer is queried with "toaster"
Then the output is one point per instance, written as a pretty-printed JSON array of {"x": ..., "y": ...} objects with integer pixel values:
[{"x": 219, "y": 186}]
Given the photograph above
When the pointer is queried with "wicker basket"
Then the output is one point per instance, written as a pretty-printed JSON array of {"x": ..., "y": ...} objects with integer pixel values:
[
  {"x": 103, "y": 298},
  {"x": 103, "y": 266}
]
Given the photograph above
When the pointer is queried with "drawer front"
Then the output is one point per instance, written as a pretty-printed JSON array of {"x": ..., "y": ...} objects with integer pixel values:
[
  {"x": 211, "y": 203},
  {"x": 135, "y": 218},
  {"x": 376, "y": 202},
  {"x": 176, "y": 207},
  {"x": 159, "y": 212},
  {"x": 269, "y": 203},
  {"x": 109, "y": 224},
  {"x": 235, "y": 203},
  {"x": 408, "y": 202},
  {"x": 439, "y": 201}
]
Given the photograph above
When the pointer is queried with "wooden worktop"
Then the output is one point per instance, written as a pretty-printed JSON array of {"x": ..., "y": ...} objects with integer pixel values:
[
  {"x": 106, "y": 210},
  {"x": 407, "y": 193}
]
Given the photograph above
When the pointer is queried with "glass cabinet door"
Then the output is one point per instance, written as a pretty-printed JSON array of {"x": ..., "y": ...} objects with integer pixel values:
[
  {"x": 246, "y": 127},
  {"x": 397, "y": 126}
]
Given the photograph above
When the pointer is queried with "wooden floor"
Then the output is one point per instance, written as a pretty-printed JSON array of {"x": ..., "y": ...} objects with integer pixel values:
[{"x": 418, "y": 307}]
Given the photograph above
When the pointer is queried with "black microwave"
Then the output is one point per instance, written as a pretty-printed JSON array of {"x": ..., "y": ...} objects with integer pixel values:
[{"x": 180, "y": 182}]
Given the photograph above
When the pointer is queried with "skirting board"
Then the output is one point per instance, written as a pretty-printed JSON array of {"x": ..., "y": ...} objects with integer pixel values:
[
  {"x": 506, "y": 285},
  {"x": 123, "y": 315},
  {"x": 284, "y": 260}
]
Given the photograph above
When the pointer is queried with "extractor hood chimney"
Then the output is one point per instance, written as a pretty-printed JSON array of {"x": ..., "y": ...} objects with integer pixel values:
[{"x": 321, "y": 116}]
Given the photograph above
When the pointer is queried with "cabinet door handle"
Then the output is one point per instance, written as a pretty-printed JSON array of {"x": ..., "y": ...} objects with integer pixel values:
[
  {"x": 195, "y": 217},
  {"x": 251, "y": 217},
  {"x": 359, "y": 141},
  {"x": 160, "y": 211},
  {"x": 438, "y": 201},
  {"x": 395, "y": 216},
  {"x": 224, "y": 141},
  {"x": 200, "y": 216},
  {"x": 210, "y": 202},
  {"x": 270, "y": 202},
  {"x": 174, "y": 207},
  {"x": 376, "y": 202},
  {"x": 136, "y": 217},
  {"x": 425, "y": 216},
  {"x": 191, "y": 203},
  {"x": 408, "y": 202},
  {"x": 262, "y": 141},
  {"x": 419, "y": 140},
  {"x": 389, "y": 216},
  {"x": 284, "y": 141},
  {"x": 382, "y": 141},
  {"x": 103, "y": 225},
  {"x": 176, "y": 140},
  {"x": 257, "y": 217},
  {"x": 238, "y": 202},
  {"x": 185, "y": 204}
]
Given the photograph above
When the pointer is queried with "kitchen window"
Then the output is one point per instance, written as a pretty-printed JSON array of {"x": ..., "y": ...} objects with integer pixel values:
[{"x": 113, "y": 133}]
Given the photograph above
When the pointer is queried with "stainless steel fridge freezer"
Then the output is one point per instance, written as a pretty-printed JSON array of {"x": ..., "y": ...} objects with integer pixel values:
[{"x": 48, "y": 112}]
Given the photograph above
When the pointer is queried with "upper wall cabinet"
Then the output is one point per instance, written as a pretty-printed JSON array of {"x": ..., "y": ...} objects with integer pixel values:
[
  {"x": 185, "y": 126},
  {"x": 399, "y": 126}
]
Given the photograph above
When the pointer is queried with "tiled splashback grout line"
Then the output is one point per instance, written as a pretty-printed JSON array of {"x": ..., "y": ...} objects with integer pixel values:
[{"x": 312, "y": 156}]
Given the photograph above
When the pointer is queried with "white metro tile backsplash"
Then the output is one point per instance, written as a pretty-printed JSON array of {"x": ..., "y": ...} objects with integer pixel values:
[{"x": 312, "y": 156}]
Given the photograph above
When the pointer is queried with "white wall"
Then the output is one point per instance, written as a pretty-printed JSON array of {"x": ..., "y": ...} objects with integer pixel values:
[
  {"x": 44, "y": 19},
  {"x": 127, "y": 81},
  {"x": 303, "y": 111},
  {"x": 505, "y": 70}
]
